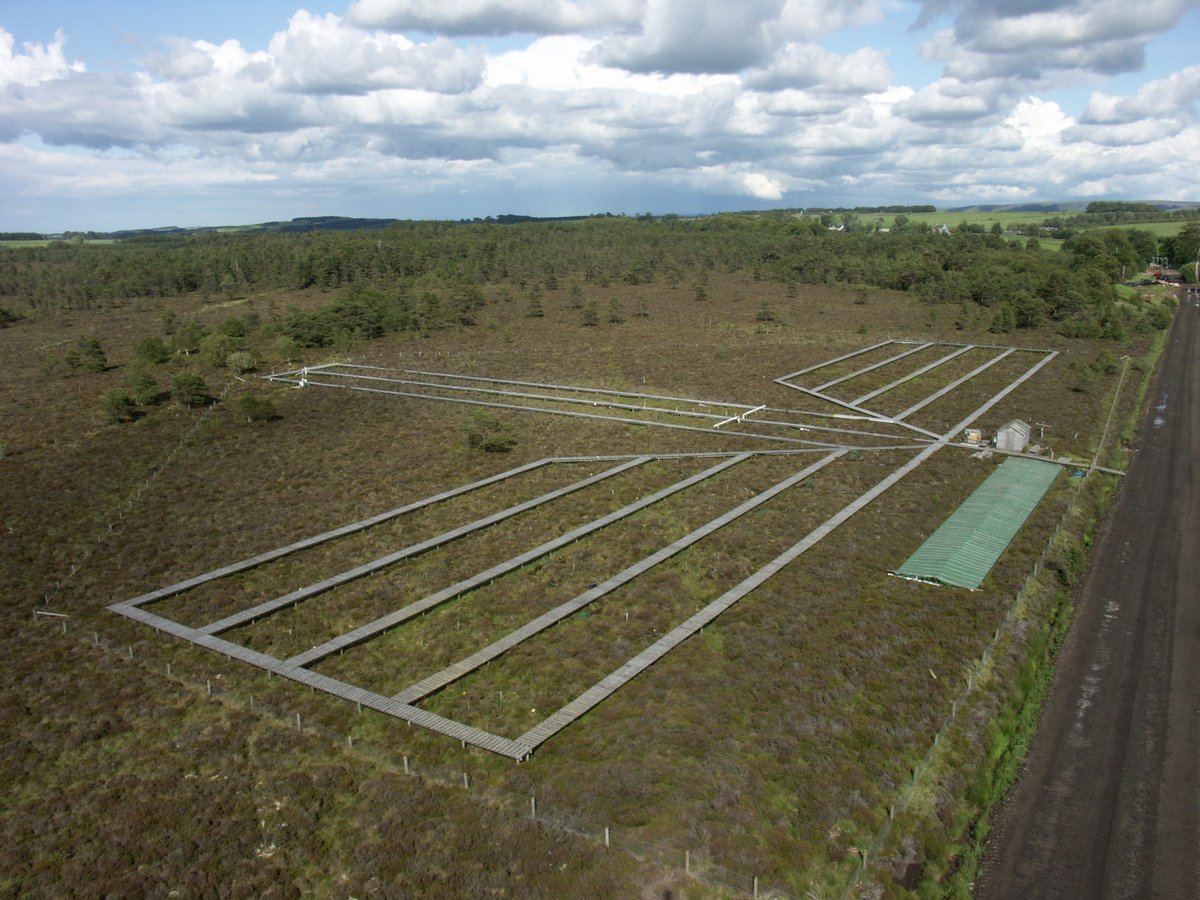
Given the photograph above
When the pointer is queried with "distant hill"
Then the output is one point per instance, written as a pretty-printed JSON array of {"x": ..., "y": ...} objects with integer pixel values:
[
  {"x": 1069, "y": 206},
  {"x": 293, "y": 226},
  {"x": 349, "y": 223}
]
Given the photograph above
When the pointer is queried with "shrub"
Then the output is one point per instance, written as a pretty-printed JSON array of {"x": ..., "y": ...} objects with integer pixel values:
[
  {"x": 189, "y": 389},
  {"x": 232, "y": 327},
  {"x": 217, "y": 347},
  {"x": 92, "y": 355},
  {"x": 118, "y": 406},
  {"x": 151, "y": 351},
  {"x": 241, "y": 361},
  {"x": 256, "y": 408},
  {"x": 143, "y": 386},
  {"x": 7, "y": 316},
  {"x": 487, "y": 433}
]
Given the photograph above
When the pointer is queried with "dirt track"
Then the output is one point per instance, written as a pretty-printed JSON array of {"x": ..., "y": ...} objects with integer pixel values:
[{"x": 1108, "y": 804}]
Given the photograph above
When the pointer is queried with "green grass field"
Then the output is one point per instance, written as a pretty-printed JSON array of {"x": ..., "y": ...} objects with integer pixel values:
[{"x": 47, "y": 242}]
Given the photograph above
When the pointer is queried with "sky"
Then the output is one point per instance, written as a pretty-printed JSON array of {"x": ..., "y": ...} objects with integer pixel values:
[{"x": 137, "y": 114}]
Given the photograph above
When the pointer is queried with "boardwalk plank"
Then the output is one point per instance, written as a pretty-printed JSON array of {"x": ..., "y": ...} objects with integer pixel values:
[
  {"x": 395, "y": 618},
  {"x": 313, "y": 541},
  {"x": 858, "y": 401},
  {"x": 269, "y": 606},
  {"x": 871, "y": 368},
  {"x": 452, "y": 673}
]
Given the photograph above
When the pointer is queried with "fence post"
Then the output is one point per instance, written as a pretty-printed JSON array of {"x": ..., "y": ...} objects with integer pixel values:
[
  {"x": 349, "y": 742},
  {"x": 466, "y": 781},
  {"x": 755, "y": 887},
  {"x": 208, "y": 685},
  {"x": 533, "y": 807},
  {"x": 298, "y": 728},
  {"x": 406, "y": 765},
  {"x": 687, "y": 862},
  {"x": 168, "y": 670}
]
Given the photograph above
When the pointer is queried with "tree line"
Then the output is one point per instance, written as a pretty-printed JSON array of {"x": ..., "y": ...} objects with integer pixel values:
[{"x": 421, "y": 275}]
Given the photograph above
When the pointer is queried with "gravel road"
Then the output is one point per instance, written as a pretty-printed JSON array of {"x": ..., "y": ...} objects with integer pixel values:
[{"x": 1108, "y": 804}]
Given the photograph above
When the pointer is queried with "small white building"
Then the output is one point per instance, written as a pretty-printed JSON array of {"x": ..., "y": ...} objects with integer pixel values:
[{"x": 1013, "y": 436}]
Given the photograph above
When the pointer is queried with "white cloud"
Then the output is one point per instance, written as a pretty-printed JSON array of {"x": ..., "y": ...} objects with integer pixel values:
[
  {"x": 322, "y": 55},
  {"x": 756, "y": 184},
  {"x": 1177, "y": 94},
  {"x": 39, "y": 63},
  {"x": 686, "y": 36},
  {"x": 947, "y": 100},
  {"x": 1037, "y": 38},
  {"x": 812, "y": 67},
  {"x": 1039, "y": 123},
  {"x": 494, "y": 17}
]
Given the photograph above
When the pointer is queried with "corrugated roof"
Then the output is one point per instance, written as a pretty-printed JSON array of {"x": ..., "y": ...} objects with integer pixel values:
[{"x": 966, "y": 546}]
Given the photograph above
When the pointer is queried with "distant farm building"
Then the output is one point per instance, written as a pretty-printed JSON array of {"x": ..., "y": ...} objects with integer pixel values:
[{"x": 1013, "y": 436}]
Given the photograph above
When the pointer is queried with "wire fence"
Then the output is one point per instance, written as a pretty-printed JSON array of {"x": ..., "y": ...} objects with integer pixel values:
[
  {"x": 696, "y": 864},
  {"x": 978, "y": 672}
]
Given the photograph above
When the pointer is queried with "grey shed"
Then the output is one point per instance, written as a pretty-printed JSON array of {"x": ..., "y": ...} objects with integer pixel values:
[{"x": 1013, "y": 436}]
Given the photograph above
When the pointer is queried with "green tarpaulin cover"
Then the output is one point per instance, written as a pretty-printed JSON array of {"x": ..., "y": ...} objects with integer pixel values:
[{"x": 966, "y": 546}]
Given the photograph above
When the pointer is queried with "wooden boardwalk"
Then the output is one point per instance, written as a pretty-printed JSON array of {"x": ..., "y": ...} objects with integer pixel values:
[
  {"x": 401, "y": 706},
  {"x": 820, "y": 388},
  {"x": 624, "y": 420},
  {"x": 784, "y": 379},
  {"x": 419, "y": 607},
  {"x": 958, "y": 382},
  {"x": 858, "y": 401},
  {"x": 547, "y": 398},
  {"x": 585, "y": 390},
  {"x": 344, "y": 530},
  {"x": 269, "y": 606},
  {"x": 615, "y": 680},
  {"x": 604, "y": 688},
  {"x": 440, "y": 724},
  {"x": 463, "y": 667}
]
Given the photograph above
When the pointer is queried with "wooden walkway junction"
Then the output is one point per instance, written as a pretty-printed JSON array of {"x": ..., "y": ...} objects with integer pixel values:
[{"x": 504, "y": 394}]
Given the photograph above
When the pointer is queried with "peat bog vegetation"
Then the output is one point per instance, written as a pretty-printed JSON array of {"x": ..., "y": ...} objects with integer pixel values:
[{"x": 838, "y": 731}]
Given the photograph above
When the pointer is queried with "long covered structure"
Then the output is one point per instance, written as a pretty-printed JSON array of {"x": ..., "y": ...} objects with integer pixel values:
[{"x": 966, "y": 546}]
